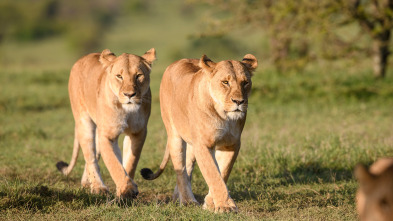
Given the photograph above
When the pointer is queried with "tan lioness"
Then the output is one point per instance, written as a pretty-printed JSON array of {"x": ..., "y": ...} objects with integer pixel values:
[
  {"x": 374, "y": 197},
  {"x": 204, "y": 107},
  {"x": 110, "y": 95}
]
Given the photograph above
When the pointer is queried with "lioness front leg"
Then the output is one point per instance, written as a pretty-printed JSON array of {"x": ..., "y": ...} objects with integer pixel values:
[
  {"x": 132, "y": 148},
  {"x": 225, "y": 158},
  {"x": 217, "y": 187},
  {"x": 125, "y": 187}
]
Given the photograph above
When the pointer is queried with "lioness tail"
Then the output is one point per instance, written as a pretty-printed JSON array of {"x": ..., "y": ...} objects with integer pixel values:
[
  {"x": 63, "y": 167},
  {"x": 148, "y": 174}
]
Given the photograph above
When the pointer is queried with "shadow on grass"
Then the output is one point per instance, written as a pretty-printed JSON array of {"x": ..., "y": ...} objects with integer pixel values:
[
  {"x": 41, "y": 198},
  {"x": 44, "y": 199},
  {"x": 272, "y": 200},
  {"x": 313, "y": 172},
  {"x": 303, "y": 186}
]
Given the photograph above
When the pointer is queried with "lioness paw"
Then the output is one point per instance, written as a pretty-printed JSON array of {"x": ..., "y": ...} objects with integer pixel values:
[
  {"x": 128, "y": 191},
  {"x": 102, "y": 190},
  {"x": 225, "y": 207},
  {"x": 208, "y": 204},
  {"x": 189, "y": 203}
]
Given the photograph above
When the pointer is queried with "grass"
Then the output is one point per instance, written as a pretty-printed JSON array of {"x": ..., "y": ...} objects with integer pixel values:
[
  {"x": 296, "y": 162},
  {"x": 304, "y": 134}
]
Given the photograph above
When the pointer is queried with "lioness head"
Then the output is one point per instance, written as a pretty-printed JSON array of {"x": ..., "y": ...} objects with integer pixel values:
[
  {"x": 129, "y": 76},
  {"x": 375, "y": 194},
  {"x": 230, "y": 83}
]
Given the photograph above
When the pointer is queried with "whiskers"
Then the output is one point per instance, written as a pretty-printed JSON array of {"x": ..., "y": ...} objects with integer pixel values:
[{"x": 146, "y": 99}]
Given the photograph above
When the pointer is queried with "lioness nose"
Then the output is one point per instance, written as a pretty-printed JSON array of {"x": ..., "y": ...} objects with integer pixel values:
[
  {"x": 129, "y": 94},
  {"x": 238, "y": 102}
]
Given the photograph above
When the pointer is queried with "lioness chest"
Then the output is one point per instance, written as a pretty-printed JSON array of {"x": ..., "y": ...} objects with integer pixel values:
[
  {"x": 133, "y": 122},
  {"x": 136, "y": 122},
  {"x": 227, "y": 134}
]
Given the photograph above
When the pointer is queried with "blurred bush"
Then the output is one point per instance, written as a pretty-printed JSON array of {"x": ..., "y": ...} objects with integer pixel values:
[
  {"x": 83, "y": 22},
  {"x": 28, "y": 20},
  {"x": 215, "y": 47}
]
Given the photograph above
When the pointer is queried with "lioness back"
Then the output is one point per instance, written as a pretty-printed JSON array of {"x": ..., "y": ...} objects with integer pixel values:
[
  {"x": 176, "y": 85},
  {"x": 84, "y": 82},
  {"x": 178, "y": 75}
]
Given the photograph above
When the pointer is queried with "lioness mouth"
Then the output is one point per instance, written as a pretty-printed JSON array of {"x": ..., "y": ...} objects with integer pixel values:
[{"x": 135, "y": 102}]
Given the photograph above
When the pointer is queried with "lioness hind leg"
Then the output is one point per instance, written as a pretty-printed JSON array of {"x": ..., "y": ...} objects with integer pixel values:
[
  {"x": 85, "y": 178},
  {"x": 225, "y": 158},
  {"x": 91, "y": 176},
  {"x": 87, "y": 184},
  {"x": 177, "y": 149},
  {"x": 190, "y": 162}
]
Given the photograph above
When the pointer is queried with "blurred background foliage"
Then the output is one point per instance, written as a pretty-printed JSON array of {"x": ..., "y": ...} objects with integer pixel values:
[
  {"x": 289, "y": 35},
  {"x": 81, "y": 21},
  {"x": 302, "y": 31}
]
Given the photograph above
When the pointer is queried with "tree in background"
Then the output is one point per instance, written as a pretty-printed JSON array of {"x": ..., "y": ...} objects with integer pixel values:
[
  {"x": 376, "y": 18},
  {"x": 291, "y": 26},
  {"x": 303, "y": 30}
]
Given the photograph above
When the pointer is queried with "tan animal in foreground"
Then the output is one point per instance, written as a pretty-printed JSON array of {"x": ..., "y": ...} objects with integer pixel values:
[
  {"x": 204, "y": 107},
  {"x": 375, "y": 194},
  {"x": 110, "y": 95}
]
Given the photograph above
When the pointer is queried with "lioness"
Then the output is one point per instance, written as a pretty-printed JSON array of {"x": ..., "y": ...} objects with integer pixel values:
[
  {"x": 375, "y": 194},
  {"x": 204, "y": 105},
  {"x": 110, "y": 95}
]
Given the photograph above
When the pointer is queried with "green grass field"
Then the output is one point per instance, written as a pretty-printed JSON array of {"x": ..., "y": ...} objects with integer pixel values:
[{"x": 304, "y": 134}]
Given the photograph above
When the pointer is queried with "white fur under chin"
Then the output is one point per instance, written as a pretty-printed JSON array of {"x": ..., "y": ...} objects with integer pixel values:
[
  {"x": 131, "y": 107},
  {"x": 235, "y": 115}
]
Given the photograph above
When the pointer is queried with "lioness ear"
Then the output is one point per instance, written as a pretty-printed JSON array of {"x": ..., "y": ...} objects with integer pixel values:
[
  {"x": 107, "y": 57},
  {"x": 150, "y": 56},
  {"x": 250, "y": 61},
  {"x": 364, "y": 177},
  {"x": 206, "y": 64}
]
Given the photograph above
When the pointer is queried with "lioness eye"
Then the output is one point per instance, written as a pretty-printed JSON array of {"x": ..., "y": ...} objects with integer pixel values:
[
  {"x": 225, "y": 82},
  {"x": 119, "y": 76}
]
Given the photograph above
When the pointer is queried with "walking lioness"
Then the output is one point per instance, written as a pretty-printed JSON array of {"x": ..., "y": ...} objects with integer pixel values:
[
  {"x": 374, "y": 198},
  {"x": 204, "y": 107},
  {"x": 110, "y": 95}
]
